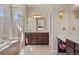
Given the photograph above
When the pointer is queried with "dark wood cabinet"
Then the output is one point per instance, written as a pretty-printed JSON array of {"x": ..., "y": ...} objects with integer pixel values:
[
  {"x": 43, "y": 38},
  {"x": 76, "y": 49},
  {"x": 34, "y": 38},
  {"x": 37, "y": 38},
  {"x": 69, "y": 50},
  {"x": 70, "y": 43},
  {"x": 61, "y": 46},
  {"x": 27, "y": 36},
  {"x": 70, "y": 47},
  {"x": 76, "y": 52}
]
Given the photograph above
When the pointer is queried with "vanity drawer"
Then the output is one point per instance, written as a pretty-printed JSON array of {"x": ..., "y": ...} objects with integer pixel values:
[
  {"x": 77, "y": 47},
  {"x": 70, "y": 43}
]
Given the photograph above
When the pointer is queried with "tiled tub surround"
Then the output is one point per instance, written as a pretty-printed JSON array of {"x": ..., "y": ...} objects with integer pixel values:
[
  {"x": 9, "y": 48},
  {"x": 72, "y": 43},
  {"x": 4, "y": 45}
]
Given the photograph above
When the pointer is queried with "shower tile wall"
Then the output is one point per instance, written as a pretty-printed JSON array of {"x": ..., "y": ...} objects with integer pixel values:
[
  {"x": 7, "y": 28},
  {"x": 5, "y": 23},
  {"x": 1, "y": 28}
]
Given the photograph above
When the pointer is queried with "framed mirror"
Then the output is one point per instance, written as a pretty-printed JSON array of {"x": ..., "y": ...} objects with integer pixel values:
[{"x": 40, "y": 24}]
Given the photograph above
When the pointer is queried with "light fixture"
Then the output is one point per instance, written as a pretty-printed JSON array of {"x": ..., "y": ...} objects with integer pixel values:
[
  {"x": 37, "y": 15},
  {"x": 61, "y": 13}
]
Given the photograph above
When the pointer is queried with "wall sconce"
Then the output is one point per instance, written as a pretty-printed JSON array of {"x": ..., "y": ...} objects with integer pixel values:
[
  {"x": 77, "y": 13},
  {"x": 61, "y": 13}
]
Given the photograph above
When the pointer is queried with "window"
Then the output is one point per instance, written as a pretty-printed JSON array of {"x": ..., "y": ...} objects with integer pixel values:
[
  {"x": 17, "y": 15},
  {"x": 1, "y": 12}
]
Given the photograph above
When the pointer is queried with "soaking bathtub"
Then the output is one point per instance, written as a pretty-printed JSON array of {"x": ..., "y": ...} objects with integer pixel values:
[{"x": 9, "y": 48}]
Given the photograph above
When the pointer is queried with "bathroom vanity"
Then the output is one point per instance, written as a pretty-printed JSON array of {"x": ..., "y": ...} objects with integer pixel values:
[
  {"x": 72, "y": 44},
  {"x": 37, "y": 38},
  {"x": 11, "y": 49},
  {"x": 72, "y": 47}
]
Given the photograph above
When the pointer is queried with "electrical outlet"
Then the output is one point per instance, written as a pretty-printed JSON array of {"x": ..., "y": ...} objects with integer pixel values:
[
  {"x": 73, "y": 28},
  {"x": 64, "y": 28}
]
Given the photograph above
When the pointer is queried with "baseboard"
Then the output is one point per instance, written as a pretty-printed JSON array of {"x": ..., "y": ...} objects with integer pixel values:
[{"x": 55, "y": 52}]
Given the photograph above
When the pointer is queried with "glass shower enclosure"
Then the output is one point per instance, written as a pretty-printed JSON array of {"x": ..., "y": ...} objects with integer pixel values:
[{"x": 11, "y": 29}]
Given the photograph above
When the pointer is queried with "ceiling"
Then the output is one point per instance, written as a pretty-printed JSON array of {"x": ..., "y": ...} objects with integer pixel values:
[
  {"x": 40, "y": 5},
  {"x": 50, "y": 6}
]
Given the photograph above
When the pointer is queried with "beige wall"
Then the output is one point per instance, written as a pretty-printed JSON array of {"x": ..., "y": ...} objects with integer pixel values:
[
  {"x": 53, "y": 24},
  {"x": 68, "y": 22},
  {"x": 73, "y": 22},
  {"x": 58, "y": 24},
  {"x": 42, "y": 10}
]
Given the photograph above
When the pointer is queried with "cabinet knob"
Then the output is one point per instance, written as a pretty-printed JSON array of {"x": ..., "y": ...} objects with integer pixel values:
[
  {"x": 73, "y": 28},
  {"x": 64, "y": 28}
]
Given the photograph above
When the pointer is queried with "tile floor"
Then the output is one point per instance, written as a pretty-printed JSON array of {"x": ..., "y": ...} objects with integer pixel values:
[
  {"x": 35, "y": 50},
  {"x": 11, "y": 50}
]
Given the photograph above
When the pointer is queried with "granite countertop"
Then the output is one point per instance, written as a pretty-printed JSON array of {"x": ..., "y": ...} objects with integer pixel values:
[
  {"x": 63, "y": 37},
  {"x": 74, "y": 38}
]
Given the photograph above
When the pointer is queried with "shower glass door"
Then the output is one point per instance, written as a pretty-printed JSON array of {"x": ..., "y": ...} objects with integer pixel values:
[
  {"x": 5, "y": 25},
  {"x": 19, "y": 23}
]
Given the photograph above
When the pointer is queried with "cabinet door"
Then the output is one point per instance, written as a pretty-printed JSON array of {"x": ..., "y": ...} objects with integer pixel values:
[
  {"x": 34, "y": 39},
  {"x": 77, "y": 47},
  {"x": 70, "y": 43},
  {"x": 69, "y": 50},
  {"x": 27, "y": 38},
  {"x": 43, "y": 38},
  {"x": 46, "y": 39},
  {"x": 76, "y": 52}
]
